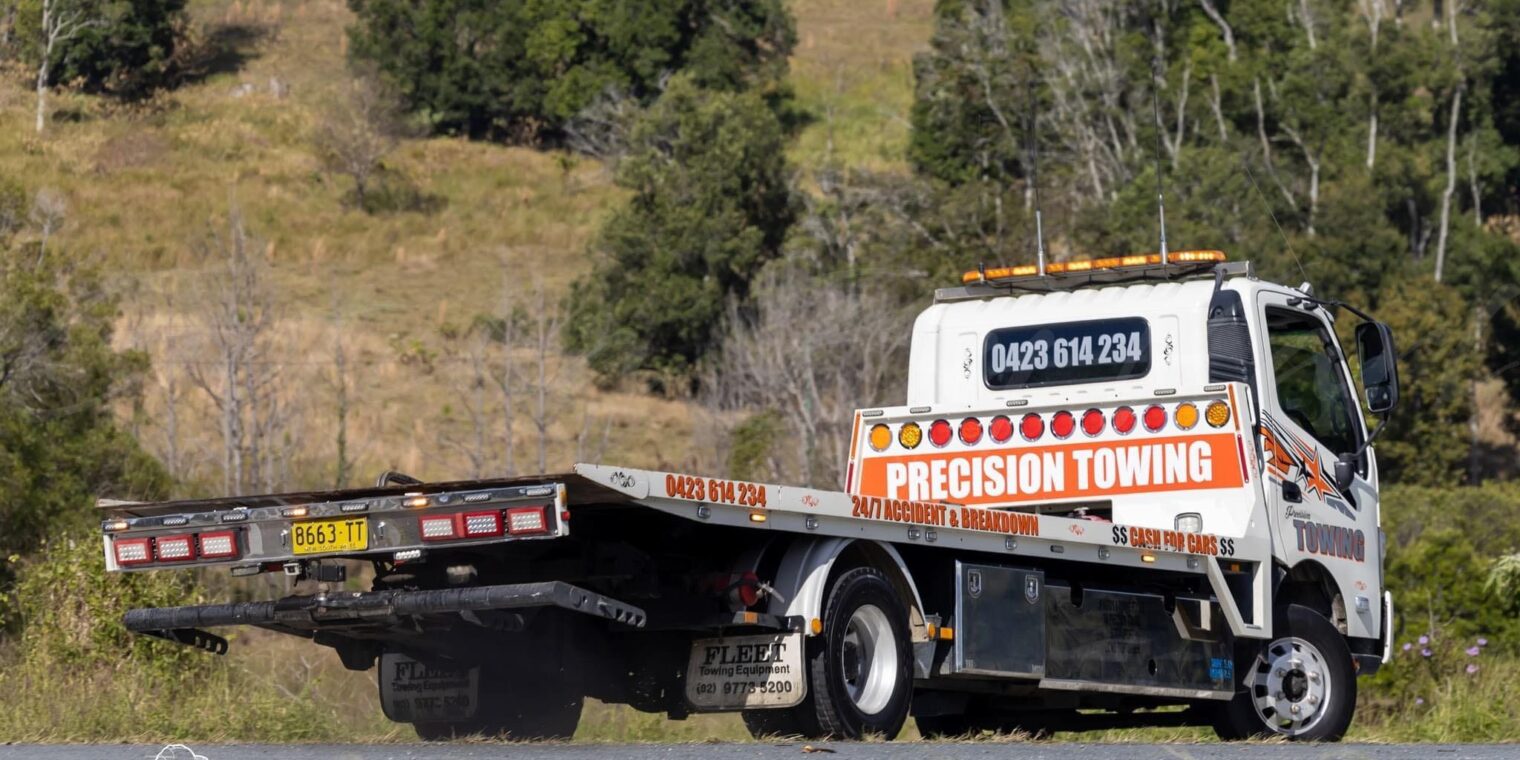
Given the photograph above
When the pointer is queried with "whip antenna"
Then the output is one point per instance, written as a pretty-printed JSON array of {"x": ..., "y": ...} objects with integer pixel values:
[
  {"x": 1160, "y": 183},
  {"x": 1034, "y": 176}
]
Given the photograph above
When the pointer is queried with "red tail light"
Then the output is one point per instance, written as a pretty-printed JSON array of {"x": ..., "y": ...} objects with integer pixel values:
[
  {"x": 1001, "y": 429},
  {"x": 219, "y": 545},
  {"x": 939, "y": 433},
  {"x": 478, "y": 524},
  {"x": 133, "y": 551},
  {"x": 1124, "y": 420},
  {"x": 1062, "y": 424},
  {"x": 748, "y": 589},
  {"x": 1032, "y": 427},
  {"x": 1092, "y": 422},
  {"x": 527, "y": 521},
  {"x": 173, "y": 548},
  {"x": 971, "y": 430},
  {"x": 437, "y": 527},
  {"x": 1155, "y": 418}
]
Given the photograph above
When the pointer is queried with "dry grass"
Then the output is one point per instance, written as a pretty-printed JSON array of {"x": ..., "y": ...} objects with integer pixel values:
[
  {"x": 853, "y": 69},
  {"x": 145, "y": 183}
]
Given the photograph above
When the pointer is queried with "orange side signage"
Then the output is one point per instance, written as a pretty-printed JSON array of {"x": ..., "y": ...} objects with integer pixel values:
[{"x": 1109, "y": 468}]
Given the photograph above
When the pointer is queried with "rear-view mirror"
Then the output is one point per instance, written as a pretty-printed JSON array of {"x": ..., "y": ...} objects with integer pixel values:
[{"x": 1380, "y": 372}]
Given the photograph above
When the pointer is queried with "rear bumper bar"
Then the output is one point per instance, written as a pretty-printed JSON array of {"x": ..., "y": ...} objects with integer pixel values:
[{"x": 307, "y": 615}]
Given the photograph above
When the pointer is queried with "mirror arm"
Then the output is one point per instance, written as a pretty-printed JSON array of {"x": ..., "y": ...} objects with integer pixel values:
[{"x": 1349, "y": 460}]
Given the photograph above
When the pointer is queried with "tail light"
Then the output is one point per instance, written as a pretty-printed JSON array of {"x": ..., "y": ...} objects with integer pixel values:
[
  {"x": 881, "y": 437},
  {"x": 1032, "y": 427},
  {"x": 1186, "y": 415},
  {"x": 1092, "y": 422},
  {"x": 173, "y": 548},
  {"x": 747, "y": 591},
  {"x": 939, "y": 433},
  {"x": 477, "y": 524},
  {"x": 910, "y": 435},
  {"x": 971, "y": 430},
  {"x": 1001, "y": 429},
  {"x": 1217, "y": 413},
  {"x": 133, "y": 551},
  {"x": 219, "y": 545},
  {"x": 1155, "y": 418},
  {"x": 527, "y": 521},
  {"x": 437, "y": 528},
  {"x": 1124, "y": 420},
  {"x": 1062, "y": 424}
]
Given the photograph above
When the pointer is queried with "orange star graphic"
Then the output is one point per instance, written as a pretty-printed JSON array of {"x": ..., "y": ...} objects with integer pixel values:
[{"x": 1314, "y": 476}]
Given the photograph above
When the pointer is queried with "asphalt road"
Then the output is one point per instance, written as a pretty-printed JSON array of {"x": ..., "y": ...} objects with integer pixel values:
[{"x": 821, "y": 751}]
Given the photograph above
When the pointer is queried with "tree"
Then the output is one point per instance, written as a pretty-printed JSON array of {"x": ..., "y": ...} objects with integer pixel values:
[
  {"x": 357, "y": 131},
  {"x": 59, "y": 23},
  {"x": 60, "y": 445},
  {"x": 520, "y": 70},
  {"x": 238, "y": 313},
  {"x": 129, "y": 53},
  {"x": 796, "y": 362},
  {"x": 711, "y": 204}
]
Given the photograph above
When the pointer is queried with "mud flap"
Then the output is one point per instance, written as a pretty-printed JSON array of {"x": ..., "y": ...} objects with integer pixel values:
[
  {"x": 746, "y": 672},
  {"x": 412, "y": 691}
]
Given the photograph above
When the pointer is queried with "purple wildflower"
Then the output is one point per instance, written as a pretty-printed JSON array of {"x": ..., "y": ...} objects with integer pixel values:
[
  {"x": 1473, "y": 651},
  {"x": 1424, "y": 640},
  {"x": 1408, "y": 646},
  {"x": 1482, "y": 642},
  {"x": 1419, "y": 701},
  {"x": 1472, "y": 667},
  {"x": 1426, "y": 652}
]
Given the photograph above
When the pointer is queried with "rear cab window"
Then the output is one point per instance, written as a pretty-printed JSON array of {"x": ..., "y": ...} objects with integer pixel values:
[{"x": 1066, "y": 353}]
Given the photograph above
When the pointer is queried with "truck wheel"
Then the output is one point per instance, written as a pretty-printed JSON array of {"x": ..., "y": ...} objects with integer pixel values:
[
  {"x": 861, "y": 677},
  {"x": 1301, "y": 686},
  {"x": 859, "y": 670}
]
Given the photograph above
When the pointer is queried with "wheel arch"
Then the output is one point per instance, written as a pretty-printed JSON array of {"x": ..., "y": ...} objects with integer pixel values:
[
  {"x": 1311, "y": 584},
  {"x": 808, "y": 565}
]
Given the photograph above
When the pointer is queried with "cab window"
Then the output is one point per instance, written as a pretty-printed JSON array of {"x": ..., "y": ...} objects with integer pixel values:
[{"x": 1311, "y": 388}]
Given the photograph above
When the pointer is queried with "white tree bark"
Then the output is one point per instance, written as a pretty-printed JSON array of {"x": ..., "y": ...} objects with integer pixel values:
[
  {"x": 1451, "y": 180},
  {"x": 1224, "y": 26},
  {"x": 61, "y": 21}
]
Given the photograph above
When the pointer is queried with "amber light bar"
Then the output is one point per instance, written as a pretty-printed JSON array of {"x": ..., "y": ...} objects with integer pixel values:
[{"x": 1092, "y": 265}]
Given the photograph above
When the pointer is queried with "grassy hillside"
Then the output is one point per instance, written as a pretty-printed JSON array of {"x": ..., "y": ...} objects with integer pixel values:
[{"x": 145, "y": 185}]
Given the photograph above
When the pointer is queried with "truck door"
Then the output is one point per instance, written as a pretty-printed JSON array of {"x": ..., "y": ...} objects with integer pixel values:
[{"x": 1311, "y": 417}]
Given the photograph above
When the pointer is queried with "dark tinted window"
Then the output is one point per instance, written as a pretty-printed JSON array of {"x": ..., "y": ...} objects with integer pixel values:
[
  {"x": 1311, "y": 389},
  {"x": 1067, "y": 352}
]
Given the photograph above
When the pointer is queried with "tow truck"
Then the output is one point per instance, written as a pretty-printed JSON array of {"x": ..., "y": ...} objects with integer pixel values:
[{"x": 1127, "y": 491}]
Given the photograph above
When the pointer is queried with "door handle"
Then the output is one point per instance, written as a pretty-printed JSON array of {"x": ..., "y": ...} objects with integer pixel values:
[{"x": 1291, "y": 492}]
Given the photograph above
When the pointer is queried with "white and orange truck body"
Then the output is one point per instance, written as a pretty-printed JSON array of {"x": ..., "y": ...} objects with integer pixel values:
[{"x": 1117, "y": 488}]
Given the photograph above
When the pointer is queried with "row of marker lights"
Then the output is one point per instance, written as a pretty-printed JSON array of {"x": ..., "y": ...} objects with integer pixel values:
[
  {"x": 1062, "y": 424},
  {"x": 519, "y": 521},
  {"x": 180, "y": 548}
]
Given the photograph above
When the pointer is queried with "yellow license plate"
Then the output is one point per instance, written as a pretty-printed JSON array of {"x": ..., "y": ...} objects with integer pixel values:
[{"x": 349, "y": 534}]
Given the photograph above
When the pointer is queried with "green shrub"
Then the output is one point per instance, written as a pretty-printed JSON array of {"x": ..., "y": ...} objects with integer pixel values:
[
  {"x": 520, "y": 70},
  {"x": 711, "y": 205}
]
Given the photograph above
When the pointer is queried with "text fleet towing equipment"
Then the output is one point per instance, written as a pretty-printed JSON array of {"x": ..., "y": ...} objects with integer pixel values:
[{"x": 1128, "y": 491}]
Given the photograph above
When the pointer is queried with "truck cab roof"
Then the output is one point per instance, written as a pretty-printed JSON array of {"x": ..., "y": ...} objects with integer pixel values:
[{"x": 1165, "y": 306}]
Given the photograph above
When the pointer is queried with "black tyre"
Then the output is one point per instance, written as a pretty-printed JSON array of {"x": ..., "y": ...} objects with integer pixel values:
[
  {"x": 1301, "y": 686},
  {"x": 859, "y": 670},
  {"x": 521, "y": 710}
]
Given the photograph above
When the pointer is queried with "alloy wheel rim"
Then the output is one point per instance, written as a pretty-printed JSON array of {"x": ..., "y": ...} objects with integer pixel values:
[
  {"x": 869, "y": 659},
  {"x": 1290, "y": 686}
]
